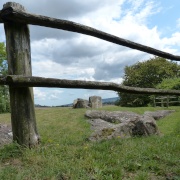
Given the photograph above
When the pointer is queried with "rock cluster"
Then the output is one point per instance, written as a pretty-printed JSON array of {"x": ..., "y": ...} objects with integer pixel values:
[
  {"x": 118, "y": 124},
  {"x": 80, "y": 103},
  {"x": 94, "y": 102}
]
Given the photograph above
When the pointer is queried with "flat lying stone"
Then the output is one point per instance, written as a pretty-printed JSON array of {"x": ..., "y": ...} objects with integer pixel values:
[
  {"x": 158, "y": 114},
  {"x": 113, "y": 117},
  {"x": 120, "y": 124}
]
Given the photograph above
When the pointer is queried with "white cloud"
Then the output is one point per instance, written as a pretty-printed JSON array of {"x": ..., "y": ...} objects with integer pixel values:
[
  {"x": 48, "y": 94},
  {"x": 38, "y": 94},
  {"x": 172, "y": 43},
  {"x": 178, "y": 23},
  {"x": 50, "y": 69},
  {"x": 55, "y": 94}
]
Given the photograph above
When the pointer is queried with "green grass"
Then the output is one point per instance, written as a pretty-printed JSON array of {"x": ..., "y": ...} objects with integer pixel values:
[{"x": 65, "y": 152}]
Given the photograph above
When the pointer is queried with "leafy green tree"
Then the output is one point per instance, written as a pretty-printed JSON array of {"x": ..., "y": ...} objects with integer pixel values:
[
  {"x": 4, "y": 91},
  {"x": 146, "y": 74},
  {"x": 3, "y": 61},
  {"x": 169, "y": 83}
]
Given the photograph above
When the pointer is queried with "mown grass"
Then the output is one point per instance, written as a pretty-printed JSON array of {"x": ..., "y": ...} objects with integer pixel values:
[{"x": 65, "y": 152}]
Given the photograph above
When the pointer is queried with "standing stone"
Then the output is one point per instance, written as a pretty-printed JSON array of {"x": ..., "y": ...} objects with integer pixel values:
[
  {"x": 95, "y": 102},
  {"x": 74, "y": 103},
  {"x": 80, "y": 103}
]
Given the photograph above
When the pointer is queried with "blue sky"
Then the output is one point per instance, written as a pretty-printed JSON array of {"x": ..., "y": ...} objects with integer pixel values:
[
  {"x": 66, "y": 55},
  {"x": 167, "y": 17}
]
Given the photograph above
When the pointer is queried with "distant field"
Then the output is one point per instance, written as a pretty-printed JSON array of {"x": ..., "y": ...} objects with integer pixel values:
[{"x": 65, "y": 152}]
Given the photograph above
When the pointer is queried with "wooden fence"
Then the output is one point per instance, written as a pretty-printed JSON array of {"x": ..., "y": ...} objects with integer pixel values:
[
  {"x": 21, "y": 81},
  {"x": 165, "y": 101}
]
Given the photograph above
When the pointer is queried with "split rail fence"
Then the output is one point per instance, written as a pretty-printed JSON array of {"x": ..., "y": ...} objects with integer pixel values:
[
  {"x": 21, "y": 81},
  {"x": 165, "y": 101}
]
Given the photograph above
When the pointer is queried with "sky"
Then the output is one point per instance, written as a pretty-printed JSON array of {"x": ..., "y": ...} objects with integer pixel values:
[{"x": 67, "y": 55}]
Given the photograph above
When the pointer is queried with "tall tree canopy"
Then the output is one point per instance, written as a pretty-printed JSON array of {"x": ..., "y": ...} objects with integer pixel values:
[
  {"x": 169, "y": 83},
  {"x": 146, "y": 74},
  {"x": 4, "y": 92}
]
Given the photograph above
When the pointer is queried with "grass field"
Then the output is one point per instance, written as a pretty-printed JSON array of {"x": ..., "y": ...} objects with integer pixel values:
[{"x": 65, "y": 152}]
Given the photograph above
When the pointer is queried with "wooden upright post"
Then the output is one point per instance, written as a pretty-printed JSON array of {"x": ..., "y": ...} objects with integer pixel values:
[
  {"x": 21, "y": 98},
  {"x": 167, "y": 102},
  {"x": 154, "y": 101}
]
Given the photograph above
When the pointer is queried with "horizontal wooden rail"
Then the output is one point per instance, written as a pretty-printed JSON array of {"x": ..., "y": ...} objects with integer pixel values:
[
  {"x": 12, "y": 14},
  {"x": 32, "y": 81},
  {"x": 165, "y": 100},
  {"x": 168, "y": 102}
]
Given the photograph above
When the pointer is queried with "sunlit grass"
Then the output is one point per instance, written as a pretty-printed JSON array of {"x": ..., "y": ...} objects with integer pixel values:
[{"x": 66, "y": 153}]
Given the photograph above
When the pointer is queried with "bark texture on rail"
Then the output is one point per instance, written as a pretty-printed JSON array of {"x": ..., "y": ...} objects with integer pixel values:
[
  {"x": 32, "y": 81},
  {"x": 16, "y": 15}
]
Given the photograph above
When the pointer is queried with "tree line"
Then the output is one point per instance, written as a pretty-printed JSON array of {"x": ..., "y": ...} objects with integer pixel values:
[{"x": 156, "y": 72}]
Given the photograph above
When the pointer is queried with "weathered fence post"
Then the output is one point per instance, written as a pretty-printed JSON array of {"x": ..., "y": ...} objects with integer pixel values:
[
  {"x": 154, "y": 101},
  {"x": 21, "y": 99},
  {"x": 167, "y": 102}
]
